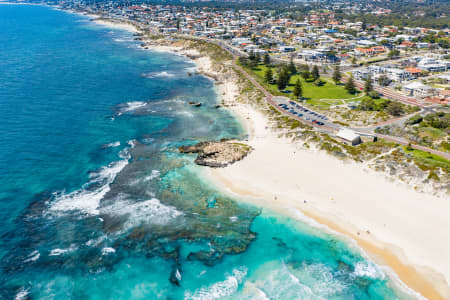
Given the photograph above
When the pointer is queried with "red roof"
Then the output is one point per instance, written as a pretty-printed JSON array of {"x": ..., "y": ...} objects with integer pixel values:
[{"x": 413, "y": 70}]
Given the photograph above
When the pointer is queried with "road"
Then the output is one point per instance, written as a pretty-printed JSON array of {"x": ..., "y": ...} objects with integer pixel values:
[{"x": 329, "y": 126}]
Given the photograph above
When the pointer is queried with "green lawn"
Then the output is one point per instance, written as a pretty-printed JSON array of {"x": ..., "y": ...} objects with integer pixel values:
[
  {"x": 431, "y": 133},
  {"x": 429, "y": 159},
  {"x": 311, "y": 92}
]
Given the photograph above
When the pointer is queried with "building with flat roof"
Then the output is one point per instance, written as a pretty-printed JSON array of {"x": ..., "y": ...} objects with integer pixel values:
[{"x": 349, "y": 136}]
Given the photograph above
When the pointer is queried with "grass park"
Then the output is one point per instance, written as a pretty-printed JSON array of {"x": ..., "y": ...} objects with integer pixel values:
[{"x": 326, "y": 94}]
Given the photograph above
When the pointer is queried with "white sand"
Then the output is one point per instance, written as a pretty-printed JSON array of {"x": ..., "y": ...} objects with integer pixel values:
[
  {"x": 117, "y": 25},
  {"x": 282, "y": 175}
]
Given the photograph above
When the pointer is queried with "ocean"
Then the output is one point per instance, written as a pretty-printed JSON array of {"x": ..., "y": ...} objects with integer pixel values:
[{"x": 97, "y": 203}]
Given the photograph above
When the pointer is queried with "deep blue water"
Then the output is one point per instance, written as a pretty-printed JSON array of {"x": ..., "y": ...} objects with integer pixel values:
[{"x": 96, "y": 202}]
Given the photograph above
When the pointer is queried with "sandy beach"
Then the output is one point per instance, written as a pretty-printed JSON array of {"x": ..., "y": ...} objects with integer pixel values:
[
  {"x": 399, "y": 227},
  {"x": 117, "y": 25},
  {"x": 407, "y": 231}
]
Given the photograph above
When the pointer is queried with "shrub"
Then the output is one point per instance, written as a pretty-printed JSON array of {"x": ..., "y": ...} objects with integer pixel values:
[
  {"x": 414, "y": 120},
  {"x": 373, "y": 95}
]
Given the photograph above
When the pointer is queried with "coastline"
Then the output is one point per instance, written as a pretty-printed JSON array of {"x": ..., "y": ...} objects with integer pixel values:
[
  {"x": 362, "y": 205},
  {"x": 412, "y": 276},
  {"x": 236, "y": 180}
]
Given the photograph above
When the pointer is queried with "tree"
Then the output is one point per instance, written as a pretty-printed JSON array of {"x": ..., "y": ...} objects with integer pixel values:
[
  {"x": 253, "y": 63},
  {"x": 373, "y": 95},
  {"x": 268, "y": 76},
  {"x": 315, "y": 73},
  {"x": 298, "y": 91},
  {"x": 393, "y": 53},
  {"x": 243, "y": 61},
  {"x": 383, "y": 80},
  {"x": 353, "y": 60},
  {"x": 257, "y": 57},
  {"x": 394, "y": 108},
  {"x": 305, "y": 74},
  {"x": 367, "y": 105},
  {"x": 337, "y": 75},
  {"x": 283, "y": 79},
  {"x": 368, "y": 85},
  {"x": 251, "y": 55},
  {"x": 350, "y": 85},
  {"x": 292, "y": 68},
  {"x": 266, "y": 59}
]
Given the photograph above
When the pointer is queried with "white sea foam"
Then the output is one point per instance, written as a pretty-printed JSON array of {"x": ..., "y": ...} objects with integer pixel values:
[
  {"x": 158, "y": 74},
  {"x": 108, "y": 250},
  {"x": 33, "y": 256},
  {"x": 22, "y": 294},
  {"x": 153, "y": 175},
  {"x": 308, "y": 281},
  {"x": 251, "y": 292},
  {"x": 131, "y": 106},
  {"x": 178, "y": 275},
  {"x": 368, "y": 269},
  {"x": 143, "y": 212},
  {"x": 122, "y": 40},
  {"x": 112, "y": 145},
  {"x": 57, "y": 251},
  {"x": 85, "y": 200},
  {"x": 220, "y": 289},
  {"x": 132, "y": 143},
  {"x": 95, "y": 242}
]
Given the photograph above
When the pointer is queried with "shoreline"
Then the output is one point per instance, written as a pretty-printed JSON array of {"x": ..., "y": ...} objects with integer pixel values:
[
  {"x": 227, "y": 92},
  {"x": 271, "y": 187}
]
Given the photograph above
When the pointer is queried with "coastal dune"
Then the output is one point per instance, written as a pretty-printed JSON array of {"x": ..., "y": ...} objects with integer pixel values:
[
  {"x": 407, "y": 231},
  {"x": 404, "y": 229}
]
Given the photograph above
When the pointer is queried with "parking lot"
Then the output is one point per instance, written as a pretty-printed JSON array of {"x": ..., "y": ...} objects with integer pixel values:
[{"x": 297, "y": 110}]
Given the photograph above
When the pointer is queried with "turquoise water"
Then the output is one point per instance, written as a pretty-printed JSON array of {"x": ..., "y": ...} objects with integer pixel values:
[{"x": 96, "y": 202}]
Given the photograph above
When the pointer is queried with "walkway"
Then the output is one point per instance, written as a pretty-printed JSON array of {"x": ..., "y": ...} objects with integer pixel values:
[{"x": 395, "y": 96}]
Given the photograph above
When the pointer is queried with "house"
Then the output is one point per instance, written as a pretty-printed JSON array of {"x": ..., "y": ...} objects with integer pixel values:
[
  {"x": 361, "y": 74},
  {"x": 433, "y": 65},
  {"x": 422, "y": 45},
  {"x": 415, "y": 72},
  {"x": 311, "y": 55},
  {"x": 365, "y": 43},
  {"x": 398, "y": 75},
  {"x": 287, "y": 49},
  {"x": 418, "y": 89},
  {"x": 348, "y": 135}
]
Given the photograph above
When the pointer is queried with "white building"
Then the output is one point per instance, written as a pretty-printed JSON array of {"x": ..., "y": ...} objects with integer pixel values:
[
  {"x": 418, "y": 89},
  {"x": 398, "y": 75},
  {"x": 349, "y": 136}
]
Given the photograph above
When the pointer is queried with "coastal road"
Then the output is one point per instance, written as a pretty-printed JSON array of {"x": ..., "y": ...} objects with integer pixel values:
[{"x": 270, "y": 99}]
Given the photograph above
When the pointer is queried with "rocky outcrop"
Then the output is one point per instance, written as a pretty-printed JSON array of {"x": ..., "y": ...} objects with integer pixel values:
[{"x": 217, "y": 154}]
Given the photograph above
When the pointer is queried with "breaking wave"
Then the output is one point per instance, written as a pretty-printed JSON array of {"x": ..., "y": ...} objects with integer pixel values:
[
  {"x": 87, "y": 199},
  {"x": 33, "y": 256},
  {"x": 158, "y": 74},
  {"x": 368, "y": 269},
  {"x": 220, "y": 289},
  {"x": 58, "y": 251},
  {"x": 22, "y": 294},
  {"x": 130, "y": 106},
  {"x": 112, "y": 145},
  {"x": 143, "y": 212}
]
